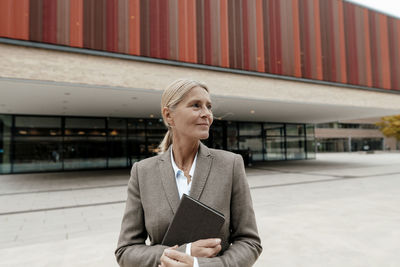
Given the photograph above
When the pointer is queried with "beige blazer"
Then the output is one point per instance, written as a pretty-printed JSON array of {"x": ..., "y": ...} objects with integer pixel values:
[{"x": 219, "y": 181}]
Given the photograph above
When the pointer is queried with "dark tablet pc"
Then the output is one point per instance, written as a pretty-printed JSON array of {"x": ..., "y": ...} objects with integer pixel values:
[{"x": 192, "y": 221}]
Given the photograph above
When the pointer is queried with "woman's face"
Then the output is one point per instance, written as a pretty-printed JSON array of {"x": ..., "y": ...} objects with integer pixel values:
[{"x": 192, "y": 117}]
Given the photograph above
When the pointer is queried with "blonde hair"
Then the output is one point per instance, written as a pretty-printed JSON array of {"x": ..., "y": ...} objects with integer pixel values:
[{"x": 171, "y": 97}]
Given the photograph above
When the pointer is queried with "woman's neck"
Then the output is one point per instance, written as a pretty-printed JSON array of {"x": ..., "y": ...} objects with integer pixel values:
[{"x": 184, "y": 153}]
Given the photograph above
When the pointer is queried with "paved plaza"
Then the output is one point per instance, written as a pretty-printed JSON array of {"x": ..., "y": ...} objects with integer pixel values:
[{"x": 338, "y": 210}]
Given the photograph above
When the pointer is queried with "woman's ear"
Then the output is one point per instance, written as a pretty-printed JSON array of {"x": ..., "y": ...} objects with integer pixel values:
[{"x": 166, "y": 113}]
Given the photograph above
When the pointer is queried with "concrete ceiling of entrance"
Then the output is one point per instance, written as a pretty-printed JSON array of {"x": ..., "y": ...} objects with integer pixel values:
[{"x": 50, "y": 98}]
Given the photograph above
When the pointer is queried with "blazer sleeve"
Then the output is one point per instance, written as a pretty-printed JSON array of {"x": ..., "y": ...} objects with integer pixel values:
[
  {"x": 245, "y": 242},
  {"x": 131, "y": 249}
]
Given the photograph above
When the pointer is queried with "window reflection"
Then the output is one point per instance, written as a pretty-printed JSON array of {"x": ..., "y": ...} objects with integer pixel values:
[
  {"x": 48, "y": 143},
  {"x": 85, "y": 143},
  {"x": 5, "y": 143},
  {"x": 274, "y": 141},
  {"x": 37, "y": 144},
  {"x": 117, "y": 143}
]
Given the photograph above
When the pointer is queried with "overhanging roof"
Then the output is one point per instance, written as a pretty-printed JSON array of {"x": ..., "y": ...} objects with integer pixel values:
[{"x": 21, "y": 96}]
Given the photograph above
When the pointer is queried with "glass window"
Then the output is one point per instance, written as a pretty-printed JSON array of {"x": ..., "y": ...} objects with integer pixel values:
[
  {"x": 156, "y": 131},
  {"x": 251, "y": 148},
  {"x": 311, "y": 148},
  {"x": 29, "y": 125},
  {"x": 136, "y": 140},
  {"x": 117, "y": 143},
  {"x": 275, "y": 148},
  {"x": 216, "y": 138},
  {"x": 37, "y": 144},
  {"x": 333, "y": 145},
  {"x": 85, "y": 144},
  {"x": 5, "y": 143},
  {"x": 295, "y": 148},
  {"x": 232, "y": 135},
  {"x": 310, "y": 132},
  {"x": 274, "y": 141},
  {"x": 85, "y": 126},
  {"x": 294, "y": 129},
  {"x": 85, "y": 152},
  {"x": 274, "y": 129},
  {"x": 366, "y": 144},
  {"x": 37, "y": 153},
  {"x": 248, "y": 128}
]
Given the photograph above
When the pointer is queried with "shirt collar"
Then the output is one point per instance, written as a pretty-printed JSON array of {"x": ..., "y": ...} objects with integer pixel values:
[{"x": 176, "y": 169}]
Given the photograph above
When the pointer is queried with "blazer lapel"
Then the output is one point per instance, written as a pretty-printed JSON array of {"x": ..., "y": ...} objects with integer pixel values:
[
  {"x": 168, "y": 180},
  {"x": 203, "y": 166}
]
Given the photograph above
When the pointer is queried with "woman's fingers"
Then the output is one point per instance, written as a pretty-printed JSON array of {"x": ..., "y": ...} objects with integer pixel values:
[
  {"x": 208, "y": 243},
  {"x": 178, "y": 256},
  {"x": 174, "y": 258},
  {"x": 206, "y": 248}
]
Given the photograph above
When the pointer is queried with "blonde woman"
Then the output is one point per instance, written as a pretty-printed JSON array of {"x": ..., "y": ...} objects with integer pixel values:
[{"x": 215, "y": 177}]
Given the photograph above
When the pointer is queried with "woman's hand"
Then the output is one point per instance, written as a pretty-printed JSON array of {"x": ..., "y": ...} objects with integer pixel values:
[
  {"x": 206, "y": 248},
  {"x": 174, "y": 258}
]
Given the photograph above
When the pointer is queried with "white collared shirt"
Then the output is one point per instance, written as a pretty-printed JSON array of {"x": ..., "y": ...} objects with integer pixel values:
[
  {"x": 181, "y": 179},
  {"x": 184, "y": 188}
]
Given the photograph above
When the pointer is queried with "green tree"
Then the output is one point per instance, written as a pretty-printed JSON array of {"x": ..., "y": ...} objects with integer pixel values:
[{"x": 390, "y": 126}]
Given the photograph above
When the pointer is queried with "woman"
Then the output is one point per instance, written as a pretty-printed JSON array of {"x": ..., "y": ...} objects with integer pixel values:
[{"x": 215, "y": 177}]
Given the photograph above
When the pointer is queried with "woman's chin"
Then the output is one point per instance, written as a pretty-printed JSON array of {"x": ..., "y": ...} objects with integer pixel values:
[{"x": 204, "y": 136}]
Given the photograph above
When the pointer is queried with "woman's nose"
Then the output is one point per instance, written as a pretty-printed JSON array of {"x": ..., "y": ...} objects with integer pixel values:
[{"x": 206, "y": 112}]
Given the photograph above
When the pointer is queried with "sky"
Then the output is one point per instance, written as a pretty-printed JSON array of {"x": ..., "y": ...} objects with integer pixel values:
[{"x": 390, "y": 7}]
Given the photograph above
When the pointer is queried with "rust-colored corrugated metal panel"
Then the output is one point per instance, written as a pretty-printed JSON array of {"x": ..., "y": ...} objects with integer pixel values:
[
  {"x": 252, "y": 34},
  {"x": 260, "y": 36},
  {"x": 246, "y": 37},
  {"x": 238, "y": 36},
  {"x": 173, "y": 30},
  {"x": 232, "y": 35},
  {"x": 275, "y": 39},
  {"x": 14, "y": 19},
  {"x": 296, "y": 39},
  {"x": 374, "y": 50},
  {"x": 316, "y": 39},
  {"x": 164, "y": 29},
  {"x": 112, "y": 25},
  {"x": 224, "y": 31},
  {"x": 200, "y": 39},
  {"x": 384, "y": 52},
  {"x": 123, "y": 26},
  {"x": 35, "y": 20},
  {"x": 328, "y": 41},
  {"x": 144, "y": 28},
  {"x": 266, "y": 35},
  {"x": 182, "y": 30},
  {"x": 394, "y": 44},
  {"x": 287, "y": 33},
  {"x": 134, "y": 27},
  {"x": 62, "y": 31},
  {"x": 192, "y": 36},
  {"x": 360, "y": 46},
  {"x": 20, "y": 20},
  {"x": 76, "y": 23},
  {"x": 367, "y": 54},
  {"x": 317, "y": 31},
  {"x": 155, "y": 50},
  {"x": 215, "y": 40},
  {"x": 351, "y": 43},
  {"x": 6, "y": 19},
  {"x": 207, "y": 33},
  {"x": 49, "y": 21}
]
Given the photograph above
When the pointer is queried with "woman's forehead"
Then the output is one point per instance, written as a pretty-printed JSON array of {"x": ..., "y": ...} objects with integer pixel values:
[{"x": 197, "y": 93}]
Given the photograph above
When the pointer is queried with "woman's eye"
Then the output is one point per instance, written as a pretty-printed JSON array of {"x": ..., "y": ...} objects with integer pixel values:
[
  {"x": 209, "y": 107},
  {"x": 196, "y": 105}
]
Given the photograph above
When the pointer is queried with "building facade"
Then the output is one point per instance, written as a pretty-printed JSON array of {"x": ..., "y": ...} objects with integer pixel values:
[
  {"x": 352, "y": 136},
  {"x": 81, "y": 80}
]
